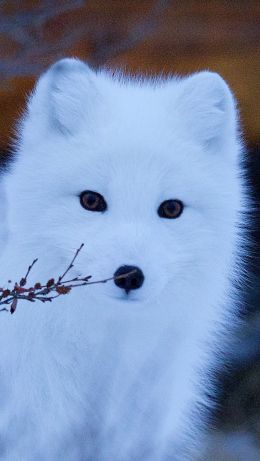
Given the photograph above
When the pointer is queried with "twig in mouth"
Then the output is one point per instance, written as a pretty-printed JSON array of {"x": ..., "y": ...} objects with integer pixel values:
[{"x": 41, "y": 292}]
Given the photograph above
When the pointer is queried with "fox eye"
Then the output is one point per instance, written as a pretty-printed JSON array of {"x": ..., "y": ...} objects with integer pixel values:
[
  {"x": 170, "y": 209},
  {"x": 92, "y": 201}
]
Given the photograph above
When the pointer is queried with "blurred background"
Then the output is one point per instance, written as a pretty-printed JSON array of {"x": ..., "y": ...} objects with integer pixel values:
[{"x": 151, "y": 37}]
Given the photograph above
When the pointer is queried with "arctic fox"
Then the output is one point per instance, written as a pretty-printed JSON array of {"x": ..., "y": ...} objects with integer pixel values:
[{"x": 147, "y": 175}]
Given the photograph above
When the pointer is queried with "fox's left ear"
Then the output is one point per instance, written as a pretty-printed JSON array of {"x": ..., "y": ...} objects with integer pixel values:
[{"x": 207, "y": 107}]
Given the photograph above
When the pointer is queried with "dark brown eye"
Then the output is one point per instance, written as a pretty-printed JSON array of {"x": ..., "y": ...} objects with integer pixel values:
[
  {"x": 92, "y": 201},
  {"x": 170, "y": 209}
]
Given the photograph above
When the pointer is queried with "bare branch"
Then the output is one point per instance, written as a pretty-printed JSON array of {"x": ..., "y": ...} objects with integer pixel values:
[
  {"x": 48, "y": 291},
  {"x": 71, "y": 264}
]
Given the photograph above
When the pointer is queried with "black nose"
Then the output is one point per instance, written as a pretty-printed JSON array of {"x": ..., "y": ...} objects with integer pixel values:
[{"x": 134, "y": 280}]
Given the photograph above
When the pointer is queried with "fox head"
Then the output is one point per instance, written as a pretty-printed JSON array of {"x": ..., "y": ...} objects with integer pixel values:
[{"x": 144, "y": 173}]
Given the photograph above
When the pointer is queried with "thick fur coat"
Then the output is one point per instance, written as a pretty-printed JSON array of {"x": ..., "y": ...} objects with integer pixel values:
[{"x": 100, "y": 375}]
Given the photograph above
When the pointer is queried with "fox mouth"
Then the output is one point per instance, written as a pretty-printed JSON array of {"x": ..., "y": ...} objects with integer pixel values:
[{"x": 126, "y": 298}]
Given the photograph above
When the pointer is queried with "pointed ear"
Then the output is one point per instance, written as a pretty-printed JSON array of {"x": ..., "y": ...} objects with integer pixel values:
[
  {"x": 207, "y": 105},
  {"x": 65, "y": 94},
  {"x": 72, "y": 93}
]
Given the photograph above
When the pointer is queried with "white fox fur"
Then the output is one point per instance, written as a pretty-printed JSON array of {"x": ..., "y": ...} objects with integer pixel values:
[
  {"x": 3, "y": 211},
  {"x": 98, "y": 375}
]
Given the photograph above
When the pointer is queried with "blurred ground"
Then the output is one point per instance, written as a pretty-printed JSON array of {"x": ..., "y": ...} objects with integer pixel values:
[{"x": 158, "y": 37}]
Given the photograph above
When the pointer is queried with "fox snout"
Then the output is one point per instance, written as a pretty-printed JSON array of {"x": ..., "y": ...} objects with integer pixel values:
[{"x": 129, "y": 278}]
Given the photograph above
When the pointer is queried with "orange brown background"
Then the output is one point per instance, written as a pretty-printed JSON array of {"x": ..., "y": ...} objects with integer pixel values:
[{"x": 140, "y": 36}]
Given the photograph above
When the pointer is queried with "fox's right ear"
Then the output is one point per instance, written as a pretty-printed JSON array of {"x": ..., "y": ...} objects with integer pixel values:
[{"x": 66, "y": 92}]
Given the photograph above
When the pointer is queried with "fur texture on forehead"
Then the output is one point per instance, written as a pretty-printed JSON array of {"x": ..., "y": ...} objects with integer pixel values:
[
  {"x": 70, "y": 98},
  {"x": 78, "y": 119}
]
